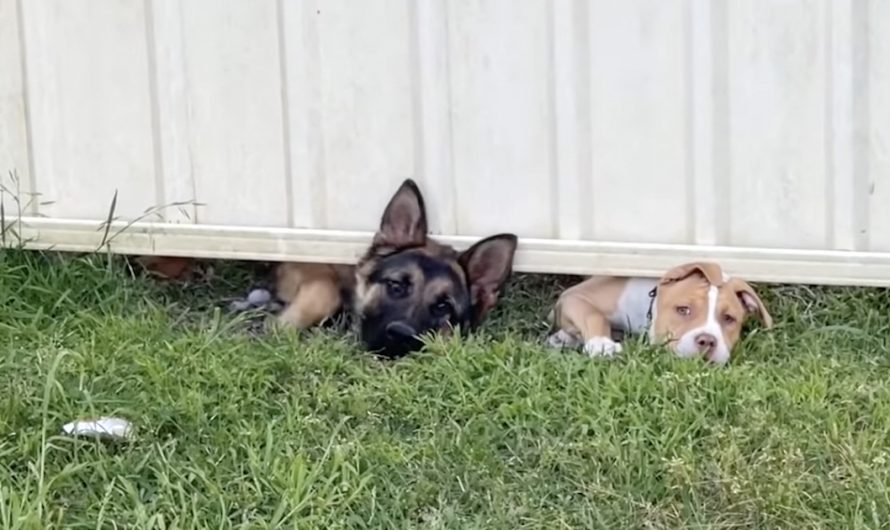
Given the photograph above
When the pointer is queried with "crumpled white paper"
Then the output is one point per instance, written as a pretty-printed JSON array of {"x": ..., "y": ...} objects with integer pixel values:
[{"x": 105, "y": 427}]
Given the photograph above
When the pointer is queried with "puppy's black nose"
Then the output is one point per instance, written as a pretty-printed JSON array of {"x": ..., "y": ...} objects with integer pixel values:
[{"x": 399, "y": 331}]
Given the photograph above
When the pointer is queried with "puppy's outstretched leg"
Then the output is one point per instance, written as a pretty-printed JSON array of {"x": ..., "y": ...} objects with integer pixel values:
[
  {"x": 579, "y": 317},
  {"x": 316, "y": 301},
  {"x": 313, "y": 293}
]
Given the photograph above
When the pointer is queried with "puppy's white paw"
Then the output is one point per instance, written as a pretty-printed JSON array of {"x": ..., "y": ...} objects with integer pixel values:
[
  {"x": 602, "y": 347},
  {"x": 562, "y": 339}
]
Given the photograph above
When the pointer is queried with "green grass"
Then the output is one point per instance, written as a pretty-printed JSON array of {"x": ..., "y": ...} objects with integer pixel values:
[{"x": 239, "y": 430}]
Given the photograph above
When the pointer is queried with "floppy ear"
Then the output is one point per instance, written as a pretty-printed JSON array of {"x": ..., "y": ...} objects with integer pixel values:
[
  {"x": 711, "y": 271},
  {"x": 404, "y": 220},
  {"x": 488, "y": 264},
  {"x": 752, "y": 303}
]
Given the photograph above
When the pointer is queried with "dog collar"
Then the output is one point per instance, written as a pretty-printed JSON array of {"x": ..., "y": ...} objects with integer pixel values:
[{"x": 652, "y": 294}]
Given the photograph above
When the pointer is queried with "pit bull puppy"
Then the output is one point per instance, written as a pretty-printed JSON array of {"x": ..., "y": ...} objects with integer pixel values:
[{"x": 696, "y": 309}]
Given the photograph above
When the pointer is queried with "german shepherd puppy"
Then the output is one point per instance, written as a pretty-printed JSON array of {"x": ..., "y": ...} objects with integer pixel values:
[{"x": 405, "y": 286}]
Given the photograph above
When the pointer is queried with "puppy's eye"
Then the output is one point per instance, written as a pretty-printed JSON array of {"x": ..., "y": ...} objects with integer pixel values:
[
  {"x": 396, "y": 289},
  {"x": 729, "y": 320},
  {"x": 441, "y": 308},
  {"x": 683, "y": 310}
]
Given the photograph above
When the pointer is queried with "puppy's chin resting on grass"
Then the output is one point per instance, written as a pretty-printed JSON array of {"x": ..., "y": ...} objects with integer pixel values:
[
  {"x": 406, "y": 285},
  {"x": 695, "y": 309}
]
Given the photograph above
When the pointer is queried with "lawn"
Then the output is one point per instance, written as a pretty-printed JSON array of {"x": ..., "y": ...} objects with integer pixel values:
[{"x": 236, "y": 429}]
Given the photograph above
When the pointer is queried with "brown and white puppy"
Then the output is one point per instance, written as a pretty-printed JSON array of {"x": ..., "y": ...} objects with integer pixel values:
[
  {"x": 696, "y": 309},
  {"x": 405, "y": 286}
]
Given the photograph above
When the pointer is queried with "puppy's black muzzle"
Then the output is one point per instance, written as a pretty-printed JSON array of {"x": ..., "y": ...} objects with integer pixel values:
[{"x": 398, "y": 339}]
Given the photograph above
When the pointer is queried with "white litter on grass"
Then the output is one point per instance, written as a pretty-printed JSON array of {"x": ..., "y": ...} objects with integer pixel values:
[
  {"x": 113, "y": 428},
  {"x": 259, "y": 297},
  {"x": 256, "y": 299}
]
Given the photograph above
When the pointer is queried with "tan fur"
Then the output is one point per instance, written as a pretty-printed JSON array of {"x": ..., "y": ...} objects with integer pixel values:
[
  {"x": 366, "y": 296},
  {"x": 390, "y": 290},
  {"x": 688, "y": 286},
  {"x": 692, "y": 292},
  {"x": 312, "y": 291},
  {"x": 584, "y": 309},
  {"x": 712, "y": 272},
  {"x": 751, "y": 301}
]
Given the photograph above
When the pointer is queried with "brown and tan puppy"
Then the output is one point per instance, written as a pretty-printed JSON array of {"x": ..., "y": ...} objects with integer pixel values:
[
  {"x": 696, "y": 309},
  {"x": 406, "y": 285}
]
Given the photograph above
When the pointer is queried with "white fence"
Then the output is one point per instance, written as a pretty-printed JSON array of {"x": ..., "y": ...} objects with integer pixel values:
[{"x": 612, "y": 136}]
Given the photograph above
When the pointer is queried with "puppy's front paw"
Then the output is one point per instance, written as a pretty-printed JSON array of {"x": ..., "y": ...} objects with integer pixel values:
[
  {"x": 601, "y": 347},
  {"x": 562, "y": 339}
]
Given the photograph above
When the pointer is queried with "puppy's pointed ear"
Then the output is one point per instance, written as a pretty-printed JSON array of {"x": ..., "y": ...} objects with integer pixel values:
[
  {"x": 488, "y": 265},
  {"x": 404, "y": 221}
]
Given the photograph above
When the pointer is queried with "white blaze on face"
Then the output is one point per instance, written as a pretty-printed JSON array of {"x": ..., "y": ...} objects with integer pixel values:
[{"x": 689, "y": 343}]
